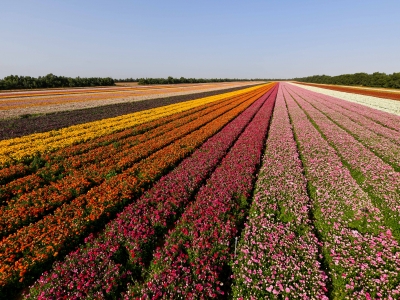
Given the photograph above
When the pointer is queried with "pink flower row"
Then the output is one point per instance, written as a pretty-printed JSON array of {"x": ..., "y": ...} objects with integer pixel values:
[
  {"x": 191, "y": 263},
  {"x": 278, "y": 256},
  {"x": 345, "y": 109},
  {"x": 104, "y": 264},
  {"x": 388, "y": 150},
  {"x": 362, "y": 255},
  {"x": 375, "y": 176},
  {"x": 386, "y": 119}
]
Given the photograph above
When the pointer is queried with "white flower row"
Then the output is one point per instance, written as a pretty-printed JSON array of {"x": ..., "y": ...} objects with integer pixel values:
[{"x": 387, "y": 105}]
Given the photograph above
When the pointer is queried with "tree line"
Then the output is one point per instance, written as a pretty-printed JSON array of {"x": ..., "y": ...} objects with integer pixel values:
[
  {"x": 54, "y": 81},
  {"x": 51, "y": 81},
  {"x": 376, "y": 79},
  {"x": 172, "y": 80}
]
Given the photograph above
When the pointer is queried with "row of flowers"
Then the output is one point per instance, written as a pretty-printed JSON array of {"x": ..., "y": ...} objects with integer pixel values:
[
  {"x": 386, "y": 149},
  {"x": 99, "y": 268},
  {"x": 362, "y": 256},
  {"x": 376, "y": 177},
  {"x": 358, "y": 90},
  {"x": 381, "y": 108},
  {"x": 29, "y": 250},
  {"x": 85, "y": 112},
  {"x": 106, "y": 161},
  {"x": 197, "y": 251},
  {"x": 73, "y": 155},
  {"x": 378, "y": 125},
  {"x": 19, "y": 148},
  {"x": 346, "y": 109},
  {"x": 278, "y": 255}
]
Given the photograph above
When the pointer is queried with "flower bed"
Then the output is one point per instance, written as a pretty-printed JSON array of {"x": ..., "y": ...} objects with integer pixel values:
[
  {"x": 278, "y": 255},
  {"x": 94, "y": 270},
  {"x": 362, "y": 255}
]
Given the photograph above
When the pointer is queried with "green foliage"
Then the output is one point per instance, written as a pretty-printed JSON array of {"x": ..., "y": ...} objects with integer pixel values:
[
  {"x": 358, "y": 79},
  {"x": 51, "y": 81},
  {"x": 172, "y": 80}
]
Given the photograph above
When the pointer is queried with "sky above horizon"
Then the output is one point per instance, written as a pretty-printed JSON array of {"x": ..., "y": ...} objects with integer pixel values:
[{"x": 202, "y": 39}]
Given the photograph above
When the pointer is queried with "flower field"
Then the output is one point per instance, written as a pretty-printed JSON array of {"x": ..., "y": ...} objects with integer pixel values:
[
  {"x": 387, "y": 102},
  {"x": 268, "y": 192},
  {"x": 17, "y": 103},
  {"x": 377, "y": 92}
]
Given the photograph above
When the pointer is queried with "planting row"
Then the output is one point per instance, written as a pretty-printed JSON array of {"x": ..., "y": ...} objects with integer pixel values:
[
  {"x": 19, "y": 148},
  {"x": 379, "y": 92},
  {"x": 359, "y": 250},
  {"x": 196, "y": 253},
  {"x": 31, "y": 248},
  {"x": 387, "y": 106},
  {"x": 376, "y": 177},
  {"x": 324, "y": 222},
  {"x": 104, "y": 265},
  {"x": 278, "y": 255},
  {"x": 98, "y": 165},
  {"x": 388, "y": 150},
  {"x": 11, "y": 128}
]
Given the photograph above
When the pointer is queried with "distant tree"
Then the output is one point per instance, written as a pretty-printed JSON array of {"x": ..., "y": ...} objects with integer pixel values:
[
  {"x": 51, "y": 81},
  {"x": 376, "y": 79}
]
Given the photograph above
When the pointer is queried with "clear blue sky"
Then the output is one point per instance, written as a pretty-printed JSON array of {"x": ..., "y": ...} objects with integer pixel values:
[{"x": 242, "y": 39}]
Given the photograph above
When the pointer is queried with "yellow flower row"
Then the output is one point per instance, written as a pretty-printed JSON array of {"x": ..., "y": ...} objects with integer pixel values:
[{"x": 26, "y": 146}]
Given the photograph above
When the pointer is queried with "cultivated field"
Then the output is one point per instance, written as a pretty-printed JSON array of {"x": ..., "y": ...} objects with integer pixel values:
[
  {"x": 379, "y": 101},
  {"x": 274, "y": 191},
  {"x": 17, "y": 103},
  {"x": 367, "y": 91}
]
